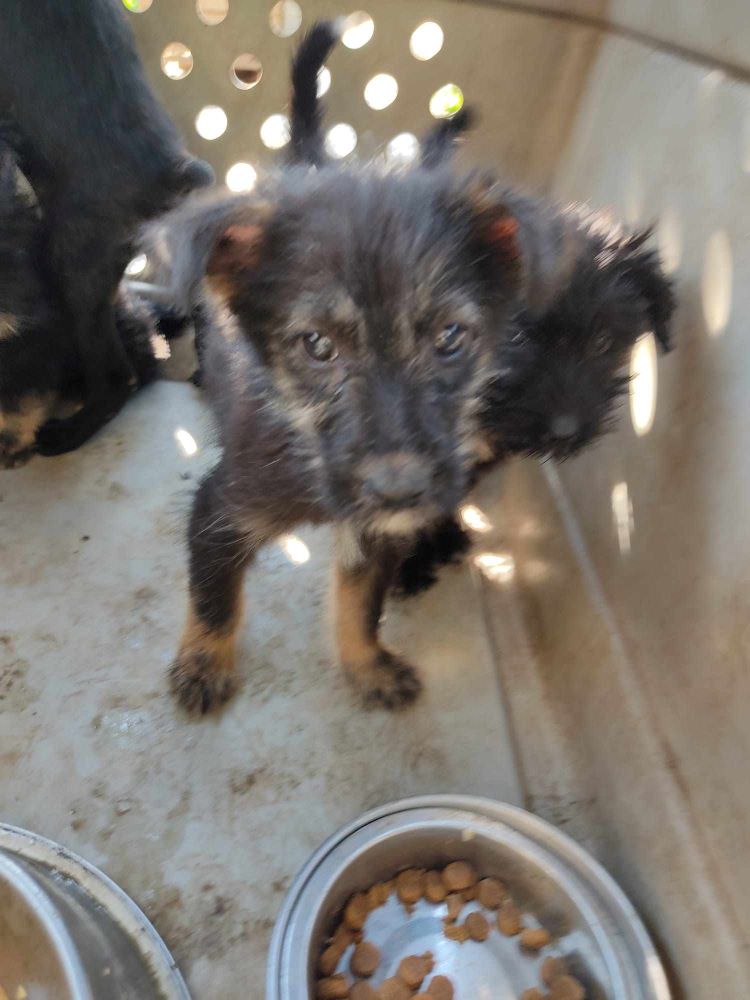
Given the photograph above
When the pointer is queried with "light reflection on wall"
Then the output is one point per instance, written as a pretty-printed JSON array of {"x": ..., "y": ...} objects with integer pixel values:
[
  {"x": 716, "y": 283},
  {"x": 643, "y": 384},
  {"x": 669, "y": 235},
  {"x": 622, "y": 515},
  {"x": 499, "y": 567},
  {"x": 474, "y": 518}
]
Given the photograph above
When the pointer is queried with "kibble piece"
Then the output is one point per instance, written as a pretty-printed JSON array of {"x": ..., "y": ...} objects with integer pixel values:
[
  {"x": 333, "y": 988},
  {"x": 470, "y": 894},
  {"x": 365, "y": 960},
  {"x": 415, "y": 968},
  {"x": 490, "y": 893},
  {"x": 456, "y": 932},
  {"x": 532, "y": 994},
  {"x": 477, "y": 927},
  {"x": 567, "y": 988},
  {"x": 410, "y": 886},
  {"x": 455, "y": 904},
  {"x": 362, "y": 991},
  {"x": 509, "y": 919},
  {"x": 434, "y": 889},
  {"x": 332, "y": 955},
  {"x": 394, "y": 989},
  {"x": 552, "y": 968},
  {"x": 377, "y": 895},
  {"x": 459, "y": 875},
  {"x": 356, "y": 912},
  {"x": 440, "y": 988},
  {"x": 535, "y": 938}
]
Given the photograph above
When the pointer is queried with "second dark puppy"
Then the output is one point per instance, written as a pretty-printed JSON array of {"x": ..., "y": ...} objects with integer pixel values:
[{"x": 102, "y": 157}]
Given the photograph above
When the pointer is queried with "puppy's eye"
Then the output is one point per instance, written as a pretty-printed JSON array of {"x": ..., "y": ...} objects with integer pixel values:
[
  {"x": 451, "y": 341},
  {"x": 319, "y": 347}
]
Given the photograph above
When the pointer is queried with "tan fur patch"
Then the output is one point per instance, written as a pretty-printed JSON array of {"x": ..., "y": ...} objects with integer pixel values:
[
  {"x": 357, "y": 645},
  {"x": 22, "y": 423},
  {"x": 217, "y": 645},
  {"x": 8, "y": 326}
]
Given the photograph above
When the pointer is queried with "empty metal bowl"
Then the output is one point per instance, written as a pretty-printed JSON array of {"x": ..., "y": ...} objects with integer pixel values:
[
  {"x": 67, "y": 932},
  {"x": 554, "y": 881}
]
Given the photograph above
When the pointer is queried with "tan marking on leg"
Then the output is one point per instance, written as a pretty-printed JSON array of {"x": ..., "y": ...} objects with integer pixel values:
[
  {"x": 19, "y": 427},
  {"x": 203, "y": 674},
  {"x": 382, "y": 677}
]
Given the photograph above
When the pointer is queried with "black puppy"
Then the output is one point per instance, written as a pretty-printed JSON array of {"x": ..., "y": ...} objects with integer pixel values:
[
  {"x": 354, "y": 319},
  {"x": 40, "y": 369},
  {"x": 563, "y": 369},
  {"x": 102, "y": 157}
]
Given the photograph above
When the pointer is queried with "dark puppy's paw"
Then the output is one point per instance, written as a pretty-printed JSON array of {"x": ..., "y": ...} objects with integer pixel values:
[
  {"x": 387, "y": 681},
  {"x": 445, "y": 544},
  {"x": 198, "y": 685}
]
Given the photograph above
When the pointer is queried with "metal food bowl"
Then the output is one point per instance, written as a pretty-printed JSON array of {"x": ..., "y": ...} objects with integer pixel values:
[
  {"x": 69, "y": 933},
  {"x": 556, "y": 884}
]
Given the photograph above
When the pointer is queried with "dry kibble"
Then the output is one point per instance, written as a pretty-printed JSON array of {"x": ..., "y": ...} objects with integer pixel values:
[
  {"x": 410, "y": 886},
  {"x": 532, "y": 994},
  {"x": 457, "y": 932},
  {"x": 356, "y": 912},
  {"x": 440, "y": 988},
  {"x": 394, "y": 989},
  {"x": 509, "y": 919},
  {"x": 362, "y": 991},
  {"x": 552, "y": 968},
  {"x": 413, "y": 969},
  {"x": 534, "y": 938},
  {"x": 434, "y": 889},
  {"x": 365, "y": 960},
  {"x": 332, "y": 955},
  {"x": 477, "y": 927},
  {"x": 459, "y": 875},
  {"x": 491, "y": 893},
  {"x": 567, "y": 988},
  {"x": 455, "y": 904},
  {"x": 470, "y": 894},
  {"x": 333, "y": 988},
  {"x": 377, "y": 895}
]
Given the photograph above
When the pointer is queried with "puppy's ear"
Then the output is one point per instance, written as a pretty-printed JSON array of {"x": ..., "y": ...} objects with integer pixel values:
[
  {"x": 526, "y": 238},
  {"x": 218, "y": 238},
  {"x": 643, "y": 269}
]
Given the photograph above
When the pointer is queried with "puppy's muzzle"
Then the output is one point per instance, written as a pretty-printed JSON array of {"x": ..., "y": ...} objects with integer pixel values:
[{"x": 395, "y": 481}]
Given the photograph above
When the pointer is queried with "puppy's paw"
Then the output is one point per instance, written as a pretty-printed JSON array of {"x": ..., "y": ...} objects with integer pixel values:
[
  {"x": 198, "y": 684},
  {"x": 10, "y": 459},
  {"x": 386, "y": 681}
]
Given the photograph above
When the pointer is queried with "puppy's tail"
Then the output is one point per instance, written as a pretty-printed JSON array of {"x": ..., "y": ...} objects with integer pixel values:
[
  {"x": 439, "y": 145},
  {"x": 306, "y": 145}
]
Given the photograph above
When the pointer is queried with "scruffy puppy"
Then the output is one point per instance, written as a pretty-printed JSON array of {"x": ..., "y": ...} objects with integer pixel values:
[
  {"x": 564, "y": 369},
  {"x": 40, "y": 369},
  {"x": 361, "y": 315},
  {"x": 102, "y": 157}
]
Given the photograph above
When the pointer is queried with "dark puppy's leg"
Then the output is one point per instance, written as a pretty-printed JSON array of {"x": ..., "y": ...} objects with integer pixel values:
[
  {"x": 363, "y": 575},
  {"x": 202, "y": 675}
]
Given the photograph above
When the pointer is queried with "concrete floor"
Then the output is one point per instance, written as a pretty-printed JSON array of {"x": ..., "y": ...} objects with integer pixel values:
[{"x": 205, "y": 824}]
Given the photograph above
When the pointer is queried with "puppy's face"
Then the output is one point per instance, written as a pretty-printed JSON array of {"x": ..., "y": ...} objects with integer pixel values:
[
  {"x": 376, "y": 305},
  {"x": 565, "y": 372}
]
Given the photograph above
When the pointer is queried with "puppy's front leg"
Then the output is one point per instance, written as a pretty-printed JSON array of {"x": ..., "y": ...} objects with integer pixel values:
[
  {"x": 363, "y": 575},
  {"x": 202, "y": 676}
]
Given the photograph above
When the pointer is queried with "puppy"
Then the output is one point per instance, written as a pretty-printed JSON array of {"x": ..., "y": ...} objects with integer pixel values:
[
  {"x": 102, "y": 157},
  {"x": 40, "y": 369},
  {"x": 352, "y": 320},
  {"x": 563, "y": 369}
]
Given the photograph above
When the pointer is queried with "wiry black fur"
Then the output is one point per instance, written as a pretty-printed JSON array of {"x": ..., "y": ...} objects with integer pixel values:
[
  {"x": 306, "y": 140},
  {"x": 102, "y": 157},
  {"x": 439, "y": 145}
]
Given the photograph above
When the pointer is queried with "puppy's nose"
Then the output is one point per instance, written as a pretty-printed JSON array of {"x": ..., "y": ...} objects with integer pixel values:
[
  {"x": 396, "y": 479},
  {"x": 564, "y": 426}
]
